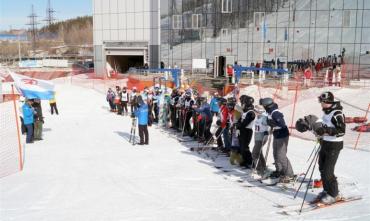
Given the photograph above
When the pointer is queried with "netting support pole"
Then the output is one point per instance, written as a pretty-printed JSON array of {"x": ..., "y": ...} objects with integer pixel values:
[
  {"x": 359, "y": 134},
  {"x": 17, "y": 124},
  {"x": 295, "y": 101}
]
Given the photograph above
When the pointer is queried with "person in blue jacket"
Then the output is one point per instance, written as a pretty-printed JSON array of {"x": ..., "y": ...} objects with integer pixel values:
[
  {"x": 215, "y": 109},
  {"x": 142, "y": 114},
  {"x": 204, "y": 119},
  {"x": 280, "y": 132},
  {"x": 28, "y": 120}
]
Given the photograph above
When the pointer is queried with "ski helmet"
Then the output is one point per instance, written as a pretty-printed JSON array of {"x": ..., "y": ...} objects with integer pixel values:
[
  {"x": 326, "y": 97},
  {"x": 265, "y": 102},
  {"x": 246, "y": 100},
  {"x": 222, "y": 101},
  {"x": 231, "y": 102}
]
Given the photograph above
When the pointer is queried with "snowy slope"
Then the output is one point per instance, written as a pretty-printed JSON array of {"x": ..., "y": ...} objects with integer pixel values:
[{"x": 85, "y": 169}]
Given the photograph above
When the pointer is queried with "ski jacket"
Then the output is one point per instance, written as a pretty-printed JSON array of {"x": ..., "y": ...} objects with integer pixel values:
[
  {"x": 260, "y": 126},
  {"x": 246, "y": 121},
  {"x": 125, "y": 97},
  {"x": 142, "y": 114},
  {"x": 205, "y": 112},
  {"x": 214, "y": 105},
  {"x": 27, "y": 114},
  {"x": 224, "y": 112},
  {"x": 277, "y": 122},
  {"x": 333, "y": 121}
]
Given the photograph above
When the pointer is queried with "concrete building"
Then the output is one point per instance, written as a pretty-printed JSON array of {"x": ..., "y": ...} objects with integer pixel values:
[
  {"x": 130, "y": 33},
  {"x": 126, "y": 34}
]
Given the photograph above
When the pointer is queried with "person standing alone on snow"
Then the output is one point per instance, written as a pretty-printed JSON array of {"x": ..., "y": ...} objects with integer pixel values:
[
  {"x": 53, "y": 105},
  {"x": 142, "y": 114},
  {"x": 332, "y": 132}
]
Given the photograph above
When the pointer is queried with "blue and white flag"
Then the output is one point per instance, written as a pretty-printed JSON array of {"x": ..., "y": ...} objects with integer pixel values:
[{"x": 32, "y": 88}]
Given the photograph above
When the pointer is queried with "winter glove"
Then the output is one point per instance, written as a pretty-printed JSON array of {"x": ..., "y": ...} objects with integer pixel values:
[
  {"x": 237, "y": 132},
  {"x": 320, "y": 131},
  {"x": 301, "y": 125}
]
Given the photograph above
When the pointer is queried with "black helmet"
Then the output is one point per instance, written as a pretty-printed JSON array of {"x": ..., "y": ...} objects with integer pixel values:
[
  {"x": 188, "y": 94},
  {"x": 326, "y": 97},
  {"x": 246, "y": 100},
  {"x": 231, "y": 102},
  {"x": 140, "y": 100},
  {"x": 266, "y": 101},
  {"x": 222, "y": 101}
]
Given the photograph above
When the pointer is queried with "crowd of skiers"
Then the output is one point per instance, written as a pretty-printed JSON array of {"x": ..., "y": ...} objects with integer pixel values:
[
  {"x": 32, "y": 119},
  {"x": 231, "y": 123}
]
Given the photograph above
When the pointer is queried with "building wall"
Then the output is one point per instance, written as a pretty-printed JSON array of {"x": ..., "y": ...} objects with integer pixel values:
[
  {"x": 119, "y": 21},
  {"x": 294, "y": 30}
]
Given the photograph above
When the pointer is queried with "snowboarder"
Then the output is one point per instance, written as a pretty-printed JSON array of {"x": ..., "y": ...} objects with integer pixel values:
[
  {"x": 280, "y": 130},
  {"x": 142, "y": 114}
]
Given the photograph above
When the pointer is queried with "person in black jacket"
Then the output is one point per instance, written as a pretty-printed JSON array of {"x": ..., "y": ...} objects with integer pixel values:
[
  {"x": 276, "y": 121},
  {"x": 38, "y": 118},
  {"x": 332, "y": 131},
  {"x": 245, "y": 126}
]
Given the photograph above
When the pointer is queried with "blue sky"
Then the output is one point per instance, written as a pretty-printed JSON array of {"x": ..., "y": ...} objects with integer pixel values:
[{"x": 14, "y": 12}]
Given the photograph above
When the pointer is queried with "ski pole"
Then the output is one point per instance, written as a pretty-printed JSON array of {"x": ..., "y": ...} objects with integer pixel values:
[
  {"x": 305, "y": 194},
  {"x": 313, "y": 150},
  {"x": 259, "y": 157},
  {"x": 268, "y": 145},
  {"x": 308, "y": 169}
]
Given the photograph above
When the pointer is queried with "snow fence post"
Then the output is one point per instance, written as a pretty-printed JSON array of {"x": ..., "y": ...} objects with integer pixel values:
[
  {"x": 359, "y": 134},
  {"x": 17, "y": 127}
]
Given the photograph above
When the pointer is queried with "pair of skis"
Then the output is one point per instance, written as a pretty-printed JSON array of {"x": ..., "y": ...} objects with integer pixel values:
[{"x": 311, "y": 206}]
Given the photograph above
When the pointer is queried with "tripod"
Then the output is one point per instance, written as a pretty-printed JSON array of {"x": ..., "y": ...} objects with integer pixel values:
[{"x": 133, "y": 131}]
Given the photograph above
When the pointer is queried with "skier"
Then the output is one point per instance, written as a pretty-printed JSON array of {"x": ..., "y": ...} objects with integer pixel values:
[
  {"x": 133, "y": 99},
  {"x": 142, "y": 114},
  {"x": 38, "y": 119},
  {"x": 245, "y": 125},
  {"x": 214, "y": 104},
  {"x": 221, "y": 127},
  {"x": 261, "y": 134},
  {"x": 332, "y": 131},
  {"x": 276, "y": 121},
  {"x": 124, "y": 100},
  {"x": 110, "y": 99},
  {"x": 53, "y": 105},
  {"x": 188, "y": 113},
  {"x": 204, "y": 119}
]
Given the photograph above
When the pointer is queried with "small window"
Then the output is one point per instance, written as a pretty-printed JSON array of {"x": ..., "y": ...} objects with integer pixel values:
[
  {"x": 346, "y": 18},
  {"x": 227, "y": 6},
  {"x": 225, "y": 32},
  {"x": 259, "y": 18},
  {"x": 177, "y": 22},
  {"x": 196, "y": 21}
]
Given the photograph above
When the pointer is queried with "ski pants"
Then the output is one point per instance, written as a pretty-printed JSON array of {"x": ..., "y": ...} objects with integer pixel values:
[
  {"x": 29, "y": 128},
  {"x": 124, "y": 107},
  {"x": 245, "y": 139},
  {"x": 38, "y": 129},
  {"x": 188, "y": 116},
  {"x": 218, "y": 136},
  {"x": 143, "y": 134},
  {"x": 328, "y": 156},
  {"x": 111, "y": 104},
  {"x": 53, "y": 107},
  {"x": 156, "y": 112},
  {"x": 258, "y": 159},
  {"x": 227, "y": 139},
  {"x": 282, "y": 163}
]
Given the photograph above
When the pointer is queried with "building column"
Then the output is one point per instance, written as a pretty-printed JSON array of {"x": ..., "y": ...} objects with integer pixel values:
[{"x": 155, "y": 34}]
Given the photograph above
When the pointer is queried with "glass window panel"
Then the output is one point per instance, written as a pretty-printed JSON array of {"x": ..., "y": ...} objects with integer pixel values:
[
  {"x": 114, "y": 21},
  {"x": 335, "y": 35},
  {"x": 348, "y": 35},
  {"x": 322, "y": 4},
  {"x": 351, "y": 4},
  {"x": 113, "y": 6}
]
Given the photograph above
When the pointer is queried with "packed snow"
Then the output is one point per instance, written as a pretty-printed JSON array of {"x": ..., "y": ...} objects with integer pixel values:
[{"x": 85, "y": 169}]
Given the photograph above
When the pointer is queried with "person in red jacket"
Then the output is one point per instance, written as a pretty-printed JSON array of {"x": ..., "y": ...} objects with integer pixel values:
[
  {"x": 222, "y": 122},
  {"x": 307, "y": 76},
  {"x": 230, "y": 72}
]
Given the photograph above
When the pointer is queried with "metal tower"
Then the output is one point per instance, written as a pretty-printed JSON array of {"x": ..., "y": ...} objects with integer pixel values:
[
  {"x": 49, "y": 14},
  {"x": 33, "y": 27}
]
